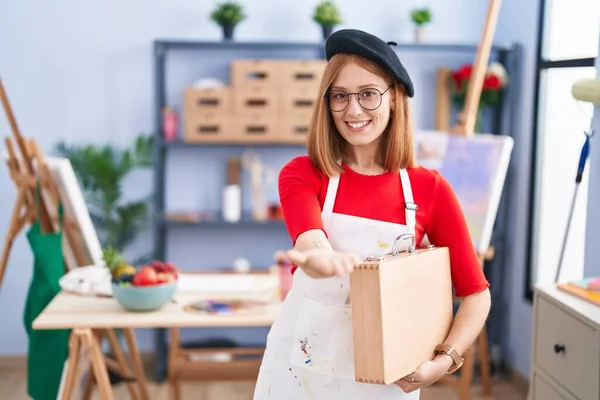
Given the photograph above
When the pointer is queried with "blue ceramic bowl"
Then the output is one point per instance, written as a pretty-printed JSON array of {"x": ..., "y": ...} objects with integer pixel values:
[{"x": 144, "y": 298}]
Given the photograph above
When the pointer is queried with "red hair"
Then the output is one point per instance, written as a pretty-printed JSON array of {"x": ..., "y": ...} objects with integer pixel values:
[{"x": 326, "y": 146}]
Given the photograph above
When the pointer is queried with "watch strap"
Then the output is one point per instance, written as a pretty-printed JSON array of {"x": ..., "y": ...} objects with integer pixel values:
[{"x": 450, "y": 351}]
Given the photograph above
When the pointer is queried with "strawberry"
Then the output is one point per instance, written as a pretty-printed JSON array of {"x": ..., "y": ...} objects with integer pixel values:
[
  {"x": 170, "y": 267},
  {"x": 158, "y": 266},
  {"x": 145, "y": 276}
]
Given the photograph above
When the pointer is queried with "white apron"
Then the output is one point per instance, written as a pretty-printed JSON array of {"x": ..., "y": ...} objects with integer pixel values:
[{"x": 309, "y": 352}]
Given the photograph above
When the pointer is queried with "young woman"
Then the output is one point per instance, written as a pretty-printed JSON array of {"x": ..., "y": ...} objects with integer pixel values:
[{"x": 358, "y": 189}]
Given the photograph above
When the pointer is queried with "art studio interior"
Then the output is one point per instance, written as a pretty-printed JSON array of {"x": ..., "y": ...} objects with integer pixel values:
[{"x": 300, "y": 200}]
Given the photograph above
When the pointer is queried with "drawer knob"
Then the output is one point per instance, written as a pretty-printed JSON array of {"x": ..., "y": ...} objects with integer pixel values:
[{"x": 559, "y": 348}]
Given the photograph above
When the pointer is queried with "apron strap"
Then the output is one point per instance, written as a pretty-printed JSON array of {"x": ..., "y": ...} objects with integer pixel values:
[
  {"x": 409, "y": 204},
  {"x": 332, "y": 188}
]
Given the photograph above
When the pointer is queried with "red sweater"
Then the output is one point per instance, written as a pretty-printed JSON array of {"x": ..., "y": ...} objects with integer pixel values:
[{"x": 302, "y": 190}]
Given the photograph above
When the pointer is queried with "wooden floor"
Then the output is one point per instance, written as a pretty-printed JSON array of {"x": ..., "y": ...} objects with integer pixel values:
[{"x": 13, "y": 385}]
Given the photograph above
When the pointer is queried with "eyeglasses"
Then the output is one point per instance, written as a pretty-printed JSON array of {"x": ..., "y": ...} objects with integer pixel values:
[{"x": 369, "y": 99}]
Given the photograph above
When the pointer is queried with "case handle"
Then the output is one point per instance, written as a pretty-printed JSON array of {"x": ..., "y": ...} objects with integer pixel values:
[{"x": 411, "y": 248}]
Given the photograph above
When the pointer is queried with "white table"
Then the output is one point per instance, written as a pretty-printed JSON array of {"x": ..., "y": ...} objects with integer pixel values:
[{"x": 91, "y": 317}]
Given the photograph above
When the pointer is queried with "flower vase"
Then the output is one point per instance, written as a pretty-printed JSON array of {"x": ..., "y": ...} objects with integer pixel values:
[
  {"x": 169, "y": 123},
  {"x": 478, "y": 122},
  {"x": 327, "y": 30},
  {"x": 420, "y": 33},
  {"x": 228, "y": 32}
]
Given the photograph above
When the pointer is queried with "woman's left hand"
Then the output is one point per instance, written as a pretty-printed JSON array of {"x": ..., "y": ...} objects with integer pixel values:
[{"x": 428, "y": 372}]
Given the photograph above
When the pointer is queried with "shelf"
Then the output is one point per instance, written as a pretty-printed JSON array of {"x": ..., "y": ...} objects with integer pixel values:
[
  {"x": 182, "y": 44},
  {"x": 182, "y": 144},
  {"x": 217, "y": 221},
  {"x": 510, "y": 54},
  {"x": 220, "y": 45}
]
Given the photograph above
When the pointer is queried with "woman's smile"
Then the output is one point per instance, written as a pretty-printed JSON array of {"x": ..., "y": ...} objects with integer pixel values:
[{"x": 357, "y": 126}]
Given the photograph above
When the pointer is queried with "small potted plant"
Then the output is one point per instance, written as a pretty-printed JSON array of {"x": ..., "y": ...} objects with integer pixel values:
[
  {"x": 420, "y": 17},
  {"x": 228, "y": 15},
  {"x": 327, "y": 15}
]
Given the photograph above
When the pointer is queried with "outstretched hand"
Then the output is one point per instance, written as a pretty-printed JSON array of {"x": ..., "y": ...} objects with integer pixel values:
[
  {"x": 426, "y": 374},
  {"x": 320, "y": 262}
]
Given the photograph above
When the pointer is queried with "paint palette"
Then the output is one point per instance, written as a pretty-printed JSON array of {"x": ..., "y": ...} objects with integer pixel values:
[{"x": 225, "y": 306}]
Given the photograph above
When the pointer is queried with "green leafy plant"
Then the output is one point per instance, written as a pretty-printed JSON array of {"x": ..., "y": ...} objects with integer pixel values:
[
  {"x": 100, "y": 170},
  {"x": 421, "y": 16},
  {"x": 327, "y": 14},
  {"x": 228, "y": 13},
  {"x": 112, "y": 258}
]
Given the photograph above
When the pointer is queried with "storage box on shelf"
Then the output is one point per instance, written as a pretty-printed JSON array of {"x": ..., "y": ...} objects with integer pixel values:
[
  {"x": 248, "y": 102},
  {"x": 206, "y": 114},
  {"x": 258, "y": 128},
  {"x": 303, "y": 74},
  {"x": 256, "y": 73},
  {"x": 268, "y": 101},
  {"x": 295, "y": 127}
]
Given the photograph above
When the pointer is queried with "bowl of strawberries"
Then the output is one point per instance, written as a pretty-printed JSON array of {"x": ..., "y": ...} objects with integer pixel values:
[{"x": 146, "y": 288}]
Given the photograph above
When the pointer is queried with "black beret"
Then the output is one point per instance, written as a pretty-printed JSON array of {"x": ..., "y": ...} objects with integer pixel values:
[{"x": 353, "y": 41}]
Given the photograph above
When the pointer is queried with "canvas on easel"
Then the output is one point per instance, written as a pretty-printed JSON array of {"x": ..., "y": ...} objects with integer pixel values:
[
  {"x": 476, "y": 168},
  {"x": 73, "y": 202}
]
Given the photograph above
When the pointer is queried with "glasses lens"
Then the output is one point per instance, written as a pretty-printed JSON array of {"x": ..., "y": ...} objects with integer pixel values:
[
  {"x": 337, "y": 100},
  {"x": 370, "y": 99}
]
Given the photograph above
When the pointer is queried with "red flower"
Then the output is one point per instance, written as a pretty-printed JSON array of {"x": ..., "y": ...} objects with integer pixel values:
[
  {"x": 461, "y": 75},
  {"x": 465, "y": 71},
  {"x": 492, "y": 82}
]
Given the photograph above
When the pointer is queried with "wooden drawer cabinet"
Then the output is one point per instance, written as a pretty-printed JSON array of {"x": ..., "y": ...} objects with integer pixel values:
[
  {"x": 544, "y": 390},
  {"x": 566, "y": 347}
]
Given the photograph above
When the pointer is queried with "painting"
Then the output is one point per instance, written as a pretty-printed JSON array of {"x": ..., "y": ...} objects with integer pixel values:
[{"x": 476, "y": 167}]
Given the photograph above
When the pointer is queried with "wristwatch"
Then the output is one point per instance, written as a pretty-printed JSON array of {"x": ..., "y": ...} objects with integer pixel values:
[{"x": 449, "y": 350}]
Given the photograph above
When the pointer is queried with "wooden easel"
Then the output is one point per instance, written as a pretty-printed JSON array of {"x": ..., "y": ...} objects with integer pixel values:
[
  {"x": 26, "y": 169},
  {"x": 466, "y": 119},
  {"x": 89, "y": 340},
  {"x": 466, "y": 126}
]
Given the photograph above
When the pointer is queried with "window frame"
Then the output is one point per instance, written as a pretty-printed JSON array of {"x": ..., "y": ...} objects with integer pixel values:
[{"x": 541, "y": 65}]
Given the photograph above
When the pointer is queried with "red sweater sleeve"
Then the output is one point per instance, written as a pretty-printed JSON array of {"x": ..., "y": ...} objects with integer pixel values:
[
  {"x": 299, "y": 185},
  {"x": 447, "y": 227}
]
